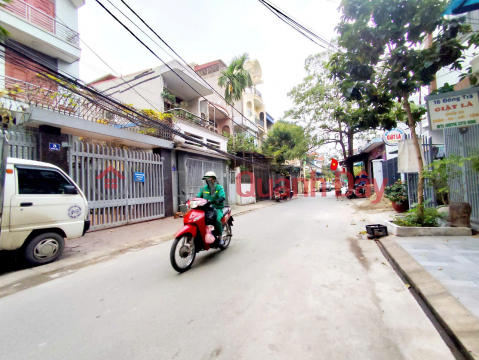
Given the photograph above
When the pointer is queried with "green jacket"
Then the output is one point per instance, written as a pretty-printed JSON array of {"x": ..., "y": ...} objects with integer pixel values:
[{"x": 205, "y": 193}]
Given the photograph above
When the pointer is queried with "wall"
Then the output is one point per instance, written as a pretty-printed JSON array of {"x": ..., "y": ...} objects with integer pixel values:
[
  {"x": 67, "y": 13},
  {"x": 150, "y": 90},
  {"x": 247, "y": 199},
  {"x": 71, "y": 69},
  {"x": 167, "y": 179},
  {"x": 194, "y": 107},
  {"x": 185, "y": 126}
]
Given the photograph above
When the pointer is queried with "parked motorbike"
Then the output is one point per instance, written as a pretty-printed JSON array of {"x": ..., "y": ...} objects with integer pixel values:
[
  {"x": 197, "y": 233},
  {"x": 280, "y": 194},
  {"x": 358, "y": 188}
]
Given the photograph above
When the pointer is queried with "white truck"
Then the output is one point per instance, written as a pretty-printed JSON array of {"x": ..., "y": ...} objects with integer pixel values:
[{"x": 42, "y": 207}]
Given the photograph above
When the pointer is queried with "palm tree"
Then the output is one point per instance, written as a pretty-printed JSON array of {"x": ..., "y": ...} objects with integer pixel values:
[{"x": 235, "y": 79}]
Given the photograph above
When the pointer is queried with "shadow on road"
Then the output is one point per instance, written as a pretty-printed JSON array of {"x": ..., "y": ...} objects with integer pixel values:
[
  {"x": 9, "y": 262},
  {"x": 208, "y": 258}
]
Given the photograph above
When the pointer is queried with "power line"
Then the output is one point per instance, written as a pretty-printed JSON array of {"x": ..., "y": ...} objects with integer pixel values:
[
  {"x": 107, "y": 103},
  {"x": 289, "y": 20},
  {"x": 164, "y": 42}
]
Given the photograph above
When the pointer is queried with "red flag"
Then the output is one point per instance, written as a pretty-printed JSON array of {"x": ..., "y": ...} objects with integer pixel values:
[{"x": 334, "y": 164}]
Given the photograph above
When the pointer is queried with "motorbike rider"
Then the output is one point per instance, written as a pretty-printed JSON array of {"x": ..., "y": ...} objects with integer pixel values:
[{"x": 214, "y": 192}]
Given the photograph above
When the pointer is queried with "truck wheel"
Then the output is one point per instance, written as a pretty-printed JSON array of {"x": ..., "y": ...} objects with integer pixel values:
[{"x": 44, "y": 248}]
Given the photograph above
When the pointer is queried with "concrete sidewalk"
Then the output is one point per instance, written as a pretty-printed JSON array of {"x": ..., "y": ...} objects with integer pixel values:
[
  {"x": 444, "y": 271},
  {"x": 103, "y": 244}
]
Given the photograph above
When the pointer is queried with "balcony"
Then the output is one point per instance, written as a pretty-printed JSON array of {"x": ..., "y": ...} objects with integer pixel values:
[
  {"x": 185, "y": 115},
  {"x": 34, "y": 28},
  {"x": 254, "y": 91},
  {"x": 249, "y": 124},
  {"x": 47, "y": 95},
  {"x": 260, "y": 123}
]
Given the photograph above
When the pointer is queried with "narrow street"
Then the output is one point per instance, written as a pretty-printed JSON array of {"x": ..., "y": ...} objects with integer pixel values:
[{"x": 297, "y": 282}]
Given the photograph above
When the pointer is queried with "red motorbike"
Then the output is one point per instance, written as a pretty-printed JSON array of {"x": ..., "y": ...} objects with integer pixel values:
[
  {"x": 280, "y": 194},
  {"x": 197, "y": 233}
]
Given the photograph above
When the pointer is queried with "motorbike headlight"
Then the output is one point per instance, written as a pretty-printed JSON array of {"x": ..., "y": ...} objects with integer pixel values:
[{"x": 194, "y": 204}]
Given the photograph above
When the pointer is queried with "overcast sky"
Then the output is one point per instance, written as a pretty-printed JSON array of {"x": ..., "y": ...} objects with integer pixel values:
[{"x": 207, "y": 30}]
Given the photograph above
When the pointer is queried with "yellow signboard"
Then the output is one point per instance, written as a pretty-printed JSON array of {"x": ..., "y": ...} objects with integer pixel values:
[{"x": 453, "y": 111}]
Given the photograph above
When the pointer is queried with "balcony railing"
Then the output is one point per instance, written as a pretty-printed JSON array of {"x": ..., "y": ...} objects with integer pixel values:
[
  {"x": 48, "y": 95},
  {"x": 249, "y": 124},
  {"x": 258, "y": 121},
  {"x": 253, "y": 91},
  {"x": 42, "y": 20},
  {"x": 183, "y": 114}
]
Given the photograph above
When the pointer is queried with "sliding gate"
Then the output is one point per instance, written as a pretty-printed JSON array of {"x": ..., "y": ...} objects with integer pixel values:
[{"x": 121, "y": 186}]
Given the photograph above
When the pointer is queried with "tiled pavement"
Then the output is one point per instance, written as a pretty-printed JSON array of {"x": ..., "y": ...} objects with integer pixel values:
[{"x": 453, "y": 261}]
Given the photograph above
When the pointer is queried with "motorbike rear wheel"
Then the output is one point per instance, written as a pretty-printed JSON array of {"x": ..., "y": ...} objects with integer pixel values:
[
  {"x": 227, "y": 235},
  {"x": 182, "y": 253}
]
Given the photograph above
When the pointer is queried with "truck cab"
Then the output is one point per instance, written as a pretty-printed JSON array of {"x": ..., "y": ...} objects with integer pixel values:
[{"x": 42, "y": 207}]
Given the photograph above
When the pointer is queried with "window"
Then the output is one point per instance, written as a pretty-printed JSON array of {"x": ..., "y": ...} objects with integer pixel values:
[{"x": 40, "y": 182}]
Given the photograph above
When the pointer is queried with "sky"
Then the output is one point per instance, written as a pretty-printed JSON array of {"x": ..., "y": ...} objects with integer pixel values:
[{"x": 207, "y": 30}]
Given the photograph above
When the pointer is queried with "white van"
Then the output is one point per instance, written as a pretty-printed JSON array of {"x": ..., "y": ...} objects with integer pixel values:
[{"x": 42, "y": 207}]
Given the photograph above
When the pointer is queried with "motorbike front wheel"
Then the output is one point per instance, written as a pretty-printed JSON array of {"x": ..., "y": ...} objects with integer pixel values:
[{"x": 183, "y": 253}]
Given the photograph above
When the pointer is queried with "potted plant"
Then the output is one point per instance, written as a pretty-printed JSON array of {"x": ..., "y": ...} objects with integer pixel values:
[
  {"x": 168, "y": 97},
  {"x": 397, "y": 193}
]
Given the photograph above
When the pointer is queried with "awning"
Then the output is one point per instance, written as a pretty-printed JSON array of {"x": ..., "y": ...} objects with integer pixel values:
[
  {"x": 371, "y": 145},
  {"x": 461, "y": 6},
  {"x": 219, "y": 108}
]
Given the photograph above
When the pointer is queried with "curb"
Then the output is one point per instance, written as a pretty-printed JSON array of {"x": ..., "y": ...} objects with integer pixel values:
[
  {"x": 22, "y": 279},
  {"x": 461, "y": 326}
]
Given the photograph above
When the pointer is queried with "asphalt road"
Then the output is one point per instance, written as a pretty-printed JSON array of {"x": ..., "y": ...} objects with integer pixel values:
[{"x": 296, "y": 283}]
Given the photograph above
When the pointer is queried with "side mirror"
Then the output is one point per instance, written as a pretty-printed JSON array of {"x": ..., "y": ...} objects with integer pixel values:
[{"x": 70, "y": 190}]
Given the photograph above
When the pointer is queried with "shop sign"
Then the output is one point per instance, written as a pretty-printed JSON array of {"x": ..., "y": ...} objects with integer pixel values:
[
  {"x": 393, "y": 136},
  {"x": 453, "y": 111}
]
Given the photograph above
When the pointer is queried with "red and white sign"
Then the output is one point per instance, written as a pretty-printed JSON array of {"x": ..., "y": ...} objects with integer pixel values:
[{"x": 393, "y": 136}]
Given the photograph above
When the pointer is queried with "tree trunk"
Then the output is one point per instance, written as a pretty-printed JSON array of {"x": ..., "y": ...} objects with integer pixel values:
[
  {"x": 232, "y": 126},
  {"x": 341, "y": 142},
  {"x": 350, "y": 165},
  {"x": 417, "y": 146},
  {"x": 350, "y": 143}
]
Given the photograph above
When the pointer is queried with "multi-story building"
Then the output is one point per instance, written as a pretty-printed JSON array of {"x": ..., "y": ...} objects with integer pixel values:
[
  {"x": 248, "y": 114},
  {"x": 122, "y": 166},
  {"x": 47, "y": 28},
  {"x": 175, "y": 89}
]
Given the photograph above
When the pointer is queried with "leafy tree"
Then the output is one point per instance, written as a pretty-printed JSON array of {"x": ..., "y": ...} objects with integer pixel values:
[
  {"x": 327, "y": 173},
  {"x": 287, "y": 141},
  {"x": 3, "y": 32},
  {"x": 319, "y": 104},
  {"x": 235, "y": 79},
  {"x": 383, "y": 41},
  {"x": 243, "y": 143}
]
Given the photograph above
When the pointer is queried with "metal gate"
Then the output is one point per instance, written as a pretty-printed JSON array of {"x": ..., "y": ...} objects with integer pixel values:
[
  {"x": 22, "y": 145},
  {"x": 464, "y": 143},
  {"x": 413, "y": 178},
  {"x": 232, "y": 188},
  {"x": 196, "y": 169},
  {"x": 390, "y": 171},
  {"x": 261, "y": 177},
  {"x": 121, "y": 186}
]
